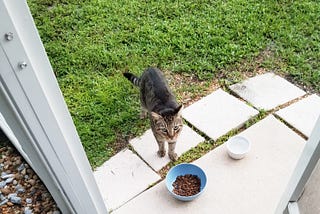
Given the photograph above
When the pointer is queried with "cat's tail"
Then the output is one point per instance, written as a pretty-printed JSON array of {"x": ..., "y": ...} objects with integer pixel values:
[{"x": 132, "y": 78}]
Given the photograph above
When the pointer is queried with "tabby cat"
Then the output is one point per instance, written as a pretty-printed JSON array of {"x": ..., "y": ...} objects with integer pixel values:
[{"x": 164, "y": 112}]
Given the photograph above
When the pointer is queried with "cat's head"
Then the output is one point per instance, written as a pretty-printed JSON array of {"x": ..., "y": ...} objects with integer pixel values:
[{"x": 168, "y": 125}]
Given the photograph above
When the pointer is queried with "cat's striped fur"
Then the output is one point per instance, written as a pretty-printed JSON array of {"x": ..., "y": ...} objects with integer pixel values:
[{"x": 164, "y": 112}]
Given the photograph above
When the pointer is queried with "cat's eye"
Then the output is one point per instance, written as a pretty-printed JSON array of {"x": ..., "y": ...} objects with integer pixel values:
[
  {"x": 176, "y": 128},
  {"x": 164, "y": 130}
]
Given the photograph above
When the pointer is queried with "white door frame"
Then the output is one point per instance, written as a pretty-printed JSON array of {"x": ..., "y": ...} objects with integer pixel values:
[
  {"x": 301, "y": 174},
  {"x": 33, "y": 107}
]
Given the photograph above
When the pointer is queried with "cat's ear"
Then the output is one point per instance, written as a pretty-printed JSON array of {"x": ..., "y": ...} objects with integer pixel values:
[
  {"x": 179, "y": 110},
  {"x": 155, "y": 116}
]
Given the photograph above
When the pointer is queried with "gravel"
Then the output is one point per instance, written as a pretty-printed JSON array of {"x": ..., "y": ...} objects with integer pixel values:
[{"x": 21, "y": 190}]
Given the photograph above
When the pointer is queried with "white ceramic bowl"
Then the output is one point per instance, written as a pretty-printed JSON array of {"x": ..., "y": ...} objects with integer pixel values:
[{"x": 238, "y": 147}]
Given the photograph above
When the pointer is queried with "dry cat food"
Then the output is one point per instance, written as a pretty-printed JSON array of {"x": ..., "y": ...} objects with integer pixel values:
[{"x": 186, "y": 185}]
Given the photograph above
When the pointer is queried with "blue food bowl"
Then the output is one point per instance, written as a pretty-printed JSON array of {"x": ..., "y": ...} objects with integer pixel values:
[{"x": 184, "y": 169}]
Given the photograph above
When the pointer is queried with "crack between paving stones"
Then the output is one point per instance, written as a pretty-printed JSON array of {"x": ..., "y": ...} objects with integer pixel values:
[
  {"x": 291, "y": 127},
  {"x": 274, "y": 110},
  {"x": 131, "y": 148},
  {"x": 287, "y": 104},
  {"x": 150, "y": 186},
  {"x": 198, "y": 131}
]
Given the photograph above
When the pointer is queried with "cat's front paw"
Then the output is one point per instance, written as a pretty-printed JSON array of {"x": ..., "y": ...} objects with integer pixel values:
[
  {"x": 173, "y": 156},
  {"x": 161, "y": 153}
]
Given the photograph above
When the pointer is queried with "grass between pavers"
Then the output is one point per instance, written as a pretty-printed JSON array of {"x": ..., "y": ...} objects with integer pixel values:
[{"x": 90, "y": 43}]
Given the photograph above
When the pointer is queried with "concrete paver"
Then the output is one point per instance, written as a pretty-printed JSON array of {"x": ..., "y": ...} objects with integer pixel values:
[
  {"x": 267, "y": 91},
  {"x": 218, "y": 113},
  {"x": 146, "y": 146},
  {"x": 254, "y": 184},
  {"x": 122, "y": 177},
  {"x": 303, "y": 114}
]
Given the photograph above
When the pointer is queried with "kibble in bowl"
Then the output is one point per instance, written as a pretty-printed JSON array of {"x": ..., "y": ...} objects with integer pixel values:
[{"x": 186, "y": 181}]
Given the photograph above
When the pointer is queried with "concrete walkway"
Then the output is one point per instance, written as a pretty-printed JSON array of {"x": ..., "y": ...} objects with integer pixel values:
[{"x": 129, "y": 181}]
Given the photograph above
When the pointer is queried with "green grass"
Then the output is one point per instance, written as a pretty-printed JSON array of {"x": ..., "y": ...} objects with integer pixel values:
[
  {"x": 91, "y": 42},
  {"x": 103, "y": 108}
]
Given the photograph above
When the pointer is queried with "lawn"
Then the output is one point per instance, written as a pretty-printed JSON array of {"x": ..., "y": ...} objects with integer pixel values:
[{"x": 91, "y": 42}]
